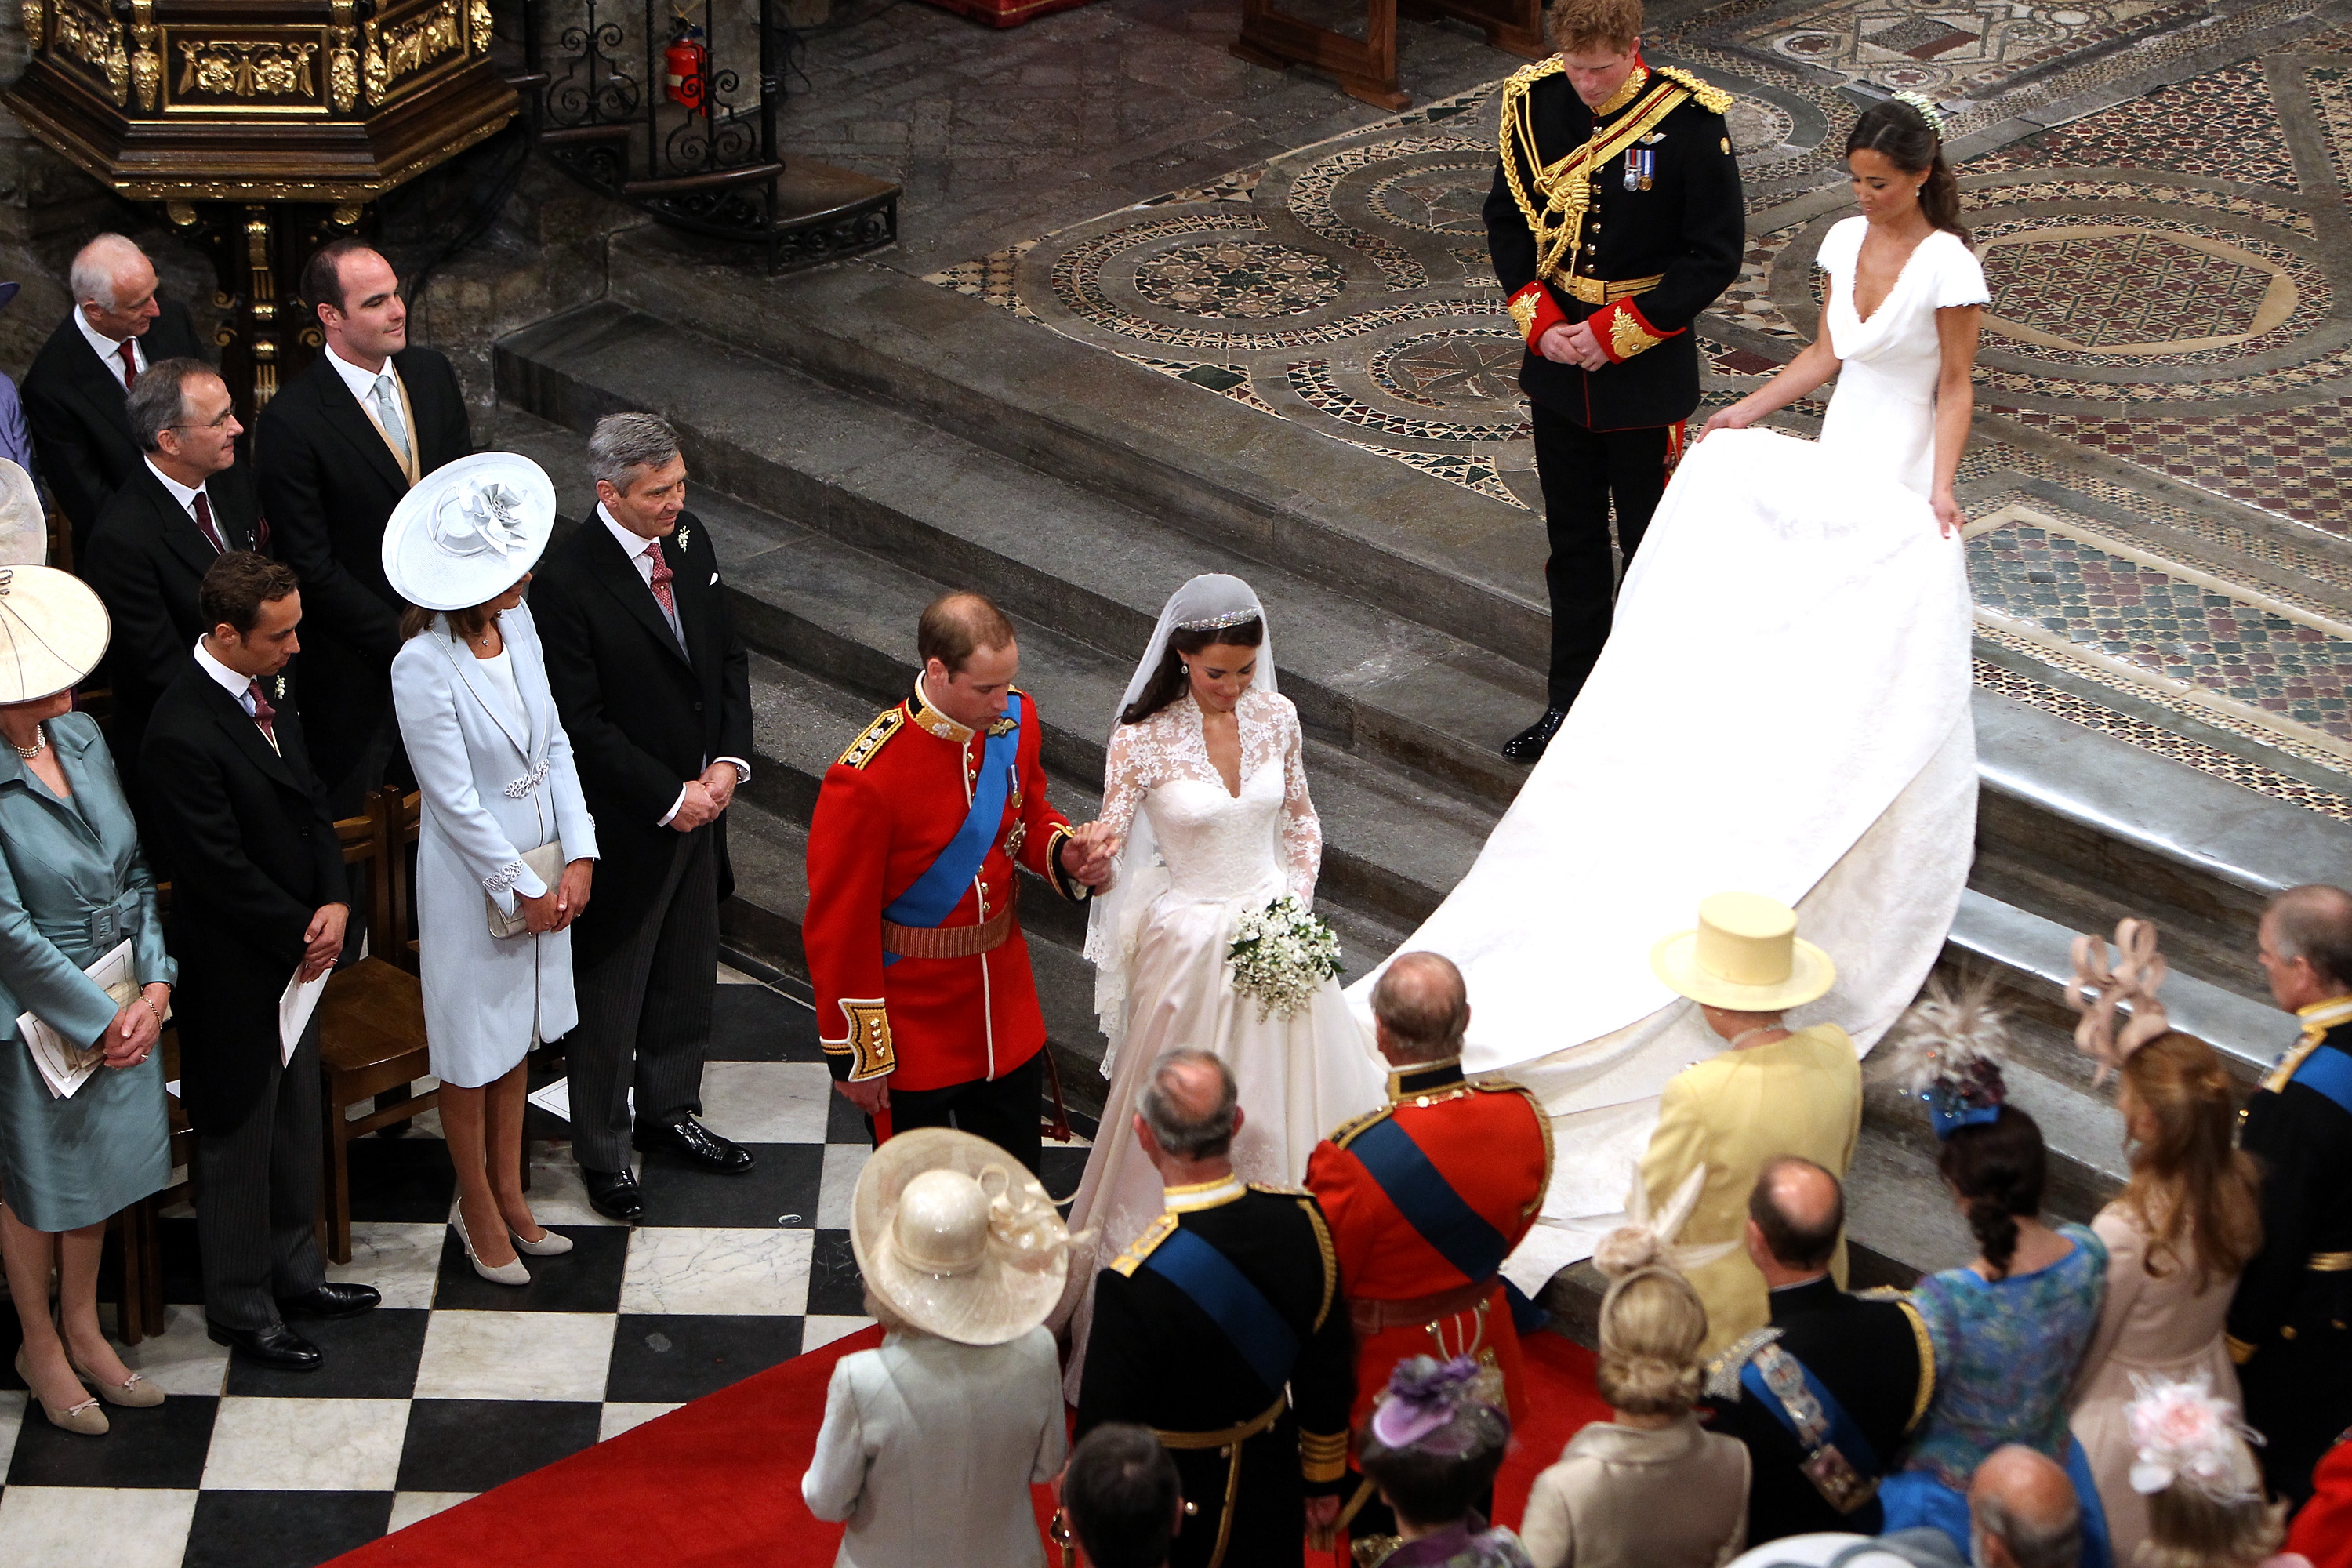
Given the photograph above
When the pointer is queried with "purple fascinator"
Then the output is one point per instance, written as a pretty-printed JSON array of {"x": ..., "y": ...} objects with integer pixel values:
[
  {"x": 1423, "y": 1393},
  {"x": 1948, "y": 1050}
]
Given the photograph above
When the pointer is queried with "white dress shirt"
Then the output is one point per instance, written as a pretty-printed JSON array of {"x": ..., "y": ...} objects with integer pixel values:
[
  {"x": 110, "y": 349},
  {"x": 180, "y": 492},
  {"x": 363, "y": 382},
  {"x": 237, "y": 685},
  {"x": 640, "y": 551}
]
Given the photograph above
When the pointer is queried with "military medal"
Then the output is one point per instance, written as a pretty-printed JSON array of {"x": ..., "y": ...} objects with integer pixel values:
[{"x": 1641, "y": 168}]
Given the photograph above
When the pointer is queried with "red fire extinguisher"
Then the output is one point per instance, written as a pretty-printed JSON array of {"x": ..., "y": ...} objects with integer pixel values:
[{"x": 686, "y": 64}]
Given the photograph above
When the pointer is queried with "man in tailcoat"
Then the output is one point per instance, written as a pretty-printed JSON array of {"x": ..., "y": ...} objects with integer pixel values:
[
  {"x": 2291, "y": 1321},
  {"x": 257, "y": 896},
  {"x": 1611, "y": 366},
  {"x": 655, "y": 687},
  {"x": 1826, "y": 1394},
  {"x": 74, "y": 393},
  {"x": 1221, "y": 1329},
  {"x": 189, "y": 503},
  {"x": 1425, "y": 1197},
  {"x": 334, "y": 451},
  {"x": 925, "y": 1004}
]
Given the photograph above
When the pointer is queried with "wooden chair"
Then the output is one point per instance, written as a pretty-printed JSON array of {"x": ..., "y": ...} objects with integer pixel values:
[{"x": 371, "y": 1018}]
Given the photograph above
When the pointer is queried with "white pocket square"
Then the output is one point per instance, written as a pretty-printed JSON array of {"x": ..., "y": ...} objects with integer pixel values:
[{"x": 714, "y": 579}]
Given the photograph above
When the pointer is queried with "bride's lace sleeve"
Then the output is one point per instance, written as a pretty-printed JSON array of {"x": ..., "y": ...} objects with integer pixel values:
[
  {"x": 1134, "y": 763},
  {"x": 1302, "y": 830}
]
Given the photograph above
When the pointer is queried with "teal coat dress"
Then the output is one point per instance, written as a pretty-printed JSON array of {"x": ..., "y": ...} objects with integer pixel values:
[{"x": 69, "y": 870}]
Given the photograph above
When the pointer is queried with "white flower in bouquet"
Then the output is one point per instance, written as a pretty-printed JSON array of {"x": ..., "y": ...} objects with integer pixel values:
[{"x": 1282, "y": 954}]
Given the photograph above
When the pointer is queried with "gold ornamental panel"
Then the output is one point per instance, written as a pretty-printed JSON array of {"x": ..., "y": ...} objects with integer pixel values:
[
  {"x": 94, "y": 38},
  {"x": 244, "y": 72},
  {"x": 406, "y": 52}
]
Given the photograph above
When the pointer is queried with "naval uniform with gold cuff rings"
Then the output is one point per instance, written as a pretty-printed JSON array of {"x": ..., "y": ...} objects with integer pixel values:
[
  {"x": 1226, "y": 1300},
  {"x": 1628, "y": 216},
  {"x": 915, "y": 949}
]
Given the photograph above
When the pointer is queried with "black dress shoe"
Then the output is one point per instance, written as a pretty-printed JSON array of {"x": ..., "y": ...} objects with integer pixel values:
[
  {"x": 692, "y": 1140},
  {"x": 276, "y": 1347},
  {"x": 614, "y": 1194},
  {"x": 331, "y": 1299},
  {"x": 1527, "y": 745}
]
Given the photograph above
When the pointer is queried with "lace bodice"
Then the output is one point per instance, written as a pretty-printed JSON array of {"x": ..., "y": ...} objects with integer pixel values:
[{"x": 1217, "y": 845}]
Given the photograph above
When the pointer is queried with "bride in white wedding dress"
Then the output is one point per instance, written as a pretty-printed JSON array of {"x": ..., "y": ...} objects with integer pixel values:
[
  {"x": 1206, "y": 784},
  {"x": 1783, "y": 708}
]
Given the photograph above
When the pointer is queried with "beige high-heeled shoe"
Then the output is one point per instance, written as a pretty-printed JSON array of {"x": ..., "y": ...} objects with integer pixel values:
[
  {"x": 509, "y": 1273},
  {"x": 549, "y": 1244},
  {"x": 85, "y": 1419},
  {"x": 134, "y": 1392}
]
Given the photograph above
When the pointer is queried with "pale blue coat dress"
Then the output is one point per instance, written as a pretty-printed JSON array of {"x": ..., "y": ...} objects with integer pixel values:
[
  {"x": 73, "y": 883},
  {"x": 495, "y": 782}
]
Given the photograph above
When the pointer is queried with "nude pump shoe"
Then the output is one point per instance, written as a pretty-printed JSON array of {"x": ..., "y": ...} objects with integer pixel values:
[
  {"x": 133, "y": 1392},
  {"x": 86, "y": 1418},
  {"x": 549, "y": 1244},
  {"x": 512, "y": 1273}
]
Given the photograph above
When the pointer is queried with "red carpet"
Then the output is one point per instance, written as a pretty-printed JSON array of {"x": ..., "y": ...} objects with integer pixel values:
[{"x": 717, "y": 1481}]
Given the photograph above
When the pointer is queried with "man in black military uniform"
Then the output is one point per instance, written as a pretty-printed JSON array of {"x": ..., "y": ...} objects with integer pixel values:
[
  {"x": 1825, "y": 1396},
  {"x": 1611, "y": 368},
  {"x": 2288, "y": 1324},
  {"x": 1222, "y": 1303}
]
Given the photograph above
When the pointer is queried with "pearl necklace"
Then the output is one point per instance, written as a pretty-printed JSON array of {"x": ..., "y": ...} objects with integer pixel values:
[{"x": 40, "y": 744}]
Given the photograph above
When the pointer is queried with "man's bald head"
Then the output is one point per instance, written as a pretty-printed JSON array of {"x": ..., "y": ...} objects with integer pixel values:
[
  {"x": 113, "y": 286},
  {"x": 957, "y": 624},
  {"x": 2307, "y": 944},
  {"x": 2022, "y": 1512},
  {"x": 1191, "y": 1104},
  {"x": 1421, "y": 1008},
  {"x": 1798, "y": 1209}
]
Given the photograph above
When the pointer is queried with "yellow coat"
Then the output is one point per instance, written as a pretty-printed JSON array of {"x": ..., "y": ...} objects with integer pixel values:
[{"x": 1732, "y": 1113}]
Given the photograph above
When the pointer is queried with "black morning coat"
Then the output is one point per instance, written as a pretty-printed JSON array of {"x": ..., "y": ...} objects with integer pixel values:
[{"x": 80, "y": 417}]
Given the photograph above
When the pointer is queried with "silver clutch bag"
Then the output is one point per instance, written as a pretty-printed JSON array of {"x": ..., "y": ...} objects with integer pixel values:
[{"x": 547, "y": 861}]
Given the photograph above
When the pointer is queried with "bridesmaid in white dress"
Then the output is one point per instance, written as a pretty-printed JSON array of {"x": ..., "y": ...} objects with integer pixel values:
[
  {"x": 1205, "y": 786},
  {"x": 1783, "y": 708}
]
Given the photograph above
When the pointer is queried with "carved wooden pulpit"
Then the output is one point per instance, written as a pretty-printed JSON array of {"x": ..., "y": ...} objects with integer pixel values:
[{"x": 264, "y": 127}]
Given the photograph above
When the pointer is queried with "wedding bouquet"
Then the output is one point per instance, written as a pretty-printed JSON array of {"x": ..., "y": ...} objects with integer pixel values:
[{"x": 1281, "y": 955}]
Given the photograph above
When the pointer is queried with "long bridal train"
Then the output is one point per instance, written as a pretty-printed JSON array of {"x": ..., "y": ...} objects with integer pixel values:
[{"x": 1782, "y": 709}]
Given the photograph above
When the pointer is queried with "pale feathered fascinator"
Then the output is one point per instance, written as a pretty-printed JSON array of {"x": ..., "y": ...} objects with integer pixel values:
[
  {"x": 1927, "y": 109},
  {"x": 2182, "y": 1435},
  {"x": 2098, "y": 991},
  {"x": 1644, "y": 1241},
  {"x": 1948, "y": 1050}
]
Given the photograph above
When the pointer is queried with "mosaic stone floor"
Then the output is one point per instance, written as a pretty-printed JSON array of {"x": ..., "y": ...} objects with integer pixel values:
[{"x": 2162, "y": 482}]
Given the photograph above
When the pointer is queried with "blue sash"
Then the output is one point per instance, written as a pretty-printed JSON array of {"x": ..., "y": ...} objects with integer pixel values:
[
  {"x": 1428, "y": 1202},
  {"x": 1237, "y": 1306},
  {"x": 1842, "y": 1433},
  {"x": 933, "y": 896},
  {"x": 2328, "y": 1070}
]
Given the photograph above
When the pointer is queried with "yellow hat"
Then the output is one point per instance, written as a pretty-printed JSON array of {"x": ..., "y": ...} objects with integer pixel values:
[{"x": 1745, "y": 956}]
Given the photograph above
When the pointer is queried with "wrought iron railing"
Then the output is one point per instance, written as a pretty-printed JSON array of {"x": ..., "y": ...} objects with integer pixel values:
[{"x": 647, "y": 100}]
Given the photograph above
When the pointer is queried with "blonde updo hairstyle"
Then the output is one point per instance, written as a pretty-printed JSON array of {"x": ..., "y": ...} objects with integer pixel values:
[
  {"x": 1651, "y": 1326},
  {"x": 2188, "y": 1528}
]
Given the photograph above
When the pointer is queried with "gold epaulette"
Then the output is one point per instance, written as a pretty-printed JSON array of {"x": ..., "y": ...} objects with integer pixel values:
[
  {"x": 1723, "y": 1372},
  {"x": 1711, "y": 98},
  {"x": 1528, "y": 76},
  {"x": 1882, "y": 1293},
  {"x": 1926, "y": 1345},
  {"x": 869, "y": 741},
  {"x": 1498, "y": 1085},
  {"x": 1323, "y": 1244},
  {"x": 1347, "y": 1132},
  {"x": 1158, "y": 1231}
]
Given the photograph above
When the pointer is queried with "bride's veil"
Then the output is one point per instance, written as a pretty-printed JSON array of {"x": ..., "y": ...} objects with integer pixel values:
[{"x": 1205, "y": 603}]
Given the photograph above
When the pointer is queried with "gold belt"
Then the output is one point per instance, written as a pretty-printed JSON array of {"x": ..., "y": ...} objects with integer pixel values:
[
  {"x": 1230, "y": 1439},
  {"x": 952, "y": 941},
  {"x": 2330, "y": 1263},
  {"x": 1600, "y": 291}
]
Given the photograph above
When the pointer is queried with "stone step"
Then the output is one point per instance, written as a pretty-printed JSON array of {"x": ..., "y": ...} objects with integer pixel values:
[{"x": 1090, "y": 567}]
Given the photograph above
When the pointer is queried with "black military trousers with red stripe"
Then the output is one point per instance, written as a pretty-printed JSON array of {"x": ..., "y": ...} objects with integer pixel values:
[{"x": 1583, "y": 471}]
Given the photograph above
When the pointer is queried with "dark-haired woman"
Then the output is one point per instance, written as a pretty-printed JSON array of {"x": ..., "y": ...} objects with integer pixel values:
[
  {"x": 2008, "y": 1330},
  {"x": 1205, "y": 792},
  {"x": 2177, "y": 1237},
  {"x": 1791, "y": 598}
]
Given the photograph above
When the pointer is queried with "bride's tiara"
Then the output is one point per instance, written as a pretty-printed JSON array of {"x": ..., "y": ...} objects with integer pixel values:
[
  {"x": 1927, "y": 108},
  {"x": 1219, "y": 621}
]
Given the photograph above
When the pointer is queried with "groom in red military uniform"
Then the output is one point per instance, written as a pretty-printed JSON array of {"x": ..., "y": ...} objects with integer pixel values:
[
  {"x": 1425, "y": 1199},
  {"x": 925, "y": 1006}
]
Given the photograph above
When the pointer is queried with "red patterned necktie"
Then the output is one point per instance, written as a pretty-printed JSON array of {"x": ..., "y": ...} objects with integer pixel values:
[
  {"x": 205, "y": 520},
  {"x": 262, "y": 711},
  {"x": 129, "y": 350},
  {"x": 661, "y": 576}
]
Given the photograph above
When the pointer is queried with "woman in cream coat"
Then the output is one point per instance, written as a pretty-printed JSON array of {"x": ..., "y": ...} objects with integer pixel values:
[{"x": 495, "y": 770}]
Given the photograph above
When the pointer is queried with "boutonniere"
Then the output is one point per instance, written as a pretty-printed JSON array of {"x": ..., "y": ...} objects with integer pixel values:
[
  {"x": 278, "y": 688},
  {"x": 685, "y": 537}
]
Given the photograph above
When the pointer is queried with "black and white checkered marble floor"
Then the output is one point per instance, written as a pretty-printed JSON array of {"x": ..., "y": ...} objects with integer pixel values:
[{"x": 455, "y": 1385}]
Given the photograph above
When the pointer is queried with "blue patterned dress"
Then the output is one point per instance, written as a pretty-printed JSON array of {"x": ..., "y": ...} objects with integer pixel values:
[{"x": 2006, "y": 1352}]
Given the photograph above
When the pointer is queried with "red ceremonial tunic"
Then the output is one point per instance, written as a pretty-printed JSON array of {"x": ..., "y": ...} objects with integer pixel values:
[
  {"x": 1491, "y": 1144},
  {"x": 886, "y": 810}
]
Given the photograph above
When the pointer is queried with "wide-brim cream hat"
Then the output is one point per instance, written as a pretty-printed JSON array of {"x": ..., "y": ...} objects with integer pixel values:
[
  {"x": 52, "y": 632},
  {"x": 469, "y": 530},
  {"x": 23, "y": 523},
  {"x": 955, "y": 1236},
  {"x": 1744, "y": 956}
]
